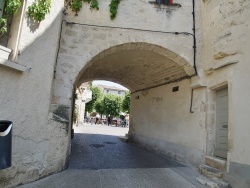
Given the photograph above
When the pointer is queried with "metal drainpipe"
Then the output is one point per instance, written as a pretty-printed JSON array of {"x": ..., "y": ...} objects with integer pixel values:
[{"x": 196, "y": 73}]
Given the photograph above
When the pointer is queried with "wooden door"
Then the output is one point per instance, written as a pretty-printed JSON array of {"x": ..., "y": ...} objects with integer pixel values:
[{"x": 221, "y": 146}]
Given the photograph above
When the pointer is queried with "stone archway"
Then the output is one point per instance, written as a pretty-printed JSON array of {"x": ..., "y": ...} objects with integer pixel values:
[{"x": 136, "y": 65}]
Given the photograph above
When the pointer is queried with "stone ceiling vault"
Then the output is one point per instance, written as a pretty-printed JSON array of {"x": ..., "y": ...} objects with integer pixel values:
[{"x": 137, "y": 69}]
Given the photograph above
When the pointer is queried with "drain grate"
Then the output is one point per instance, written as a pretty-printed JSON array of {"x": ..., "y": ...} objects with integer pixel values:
[
  {"x": 96, "y": 145},
  {"x": 109, "y": 142}
]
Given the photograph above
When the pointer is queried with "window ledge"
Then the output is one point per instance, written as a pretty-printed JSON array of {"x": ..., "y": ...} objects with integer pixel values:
[
  {"x": 12, "y": 65},
  {"x": 198, "y": 82},
  {"x": 4, "y": 52}
]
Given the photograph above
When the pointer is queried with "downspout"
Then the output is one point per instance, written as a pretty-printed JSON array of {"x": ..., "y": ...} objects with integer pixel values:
[
  {"x": 194, "y": 37},
  {"x": 194, "y": 47}
]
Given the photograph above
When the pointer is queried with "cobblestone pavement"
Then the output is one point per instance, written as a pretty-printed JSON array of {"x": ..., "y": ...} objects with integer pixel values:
[{"x": 100, "y": 159}]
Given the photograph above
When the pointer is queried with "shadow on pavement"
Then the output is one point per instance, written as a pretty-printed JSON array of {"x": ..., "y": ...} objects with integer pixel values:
[{"x": 96, "y": 151}]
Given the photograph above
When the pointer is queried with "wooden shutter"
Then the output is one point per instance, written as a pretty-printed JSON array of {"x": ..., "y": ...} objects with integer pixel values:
[{"x": 1, "y": 7}]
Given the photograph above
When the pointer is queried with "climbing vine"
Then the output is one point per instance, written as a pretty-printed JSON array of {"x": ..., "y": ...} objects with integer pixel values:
[
  {"x": 11, "y": 8},
  {"x": 36, "y": 11},
  {"x": 113, "y": 7},
  {"x": 94, "y": 4},
  {"x": 3, "y": 25},
  {"x": 39, "y": 9},
  {"x": 76, "y": 6}
]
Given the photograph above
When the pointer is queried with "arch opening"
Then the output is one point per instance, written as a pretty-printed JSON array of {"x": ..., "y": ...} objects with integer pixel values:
[{"x": 137, "y": 66}]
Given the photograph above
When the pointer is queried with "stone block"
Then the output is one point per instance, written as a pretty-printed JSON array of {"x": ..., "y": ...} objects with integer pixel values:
[{"x": 216, "y": 162}]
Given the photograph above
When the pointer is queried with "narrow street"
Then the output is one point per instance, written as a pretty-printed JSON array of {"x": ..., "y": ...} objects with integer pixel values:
[{"x": 100, "y": 159}]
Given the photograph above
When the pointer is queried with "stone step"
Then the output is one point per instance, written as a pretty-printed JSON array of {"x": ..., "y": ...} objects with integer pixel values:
[
  {"x": 216, "y": 162},
  {"x": 124, "y": 139},
  {"x": 210, "y": 172},
  {"x": 212, "y": 183}
]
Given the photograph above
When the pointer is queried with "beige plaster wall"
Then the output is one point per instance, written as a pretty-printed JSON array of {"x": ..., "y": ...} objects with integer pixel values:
[
  {"x": 82, "y": 44},
  {"x": 225, "y": 58},
  {"x": 40, "y": 145},
  {"x": 160, "y": 117},
  {"x": 138, "y": 14},
  {"x": 226, "y": 42}
]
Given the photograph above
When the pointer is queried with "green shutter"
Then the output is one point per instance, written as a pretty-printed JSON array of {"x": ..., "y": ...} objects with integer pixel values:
[{"x": 1, "y": 7}]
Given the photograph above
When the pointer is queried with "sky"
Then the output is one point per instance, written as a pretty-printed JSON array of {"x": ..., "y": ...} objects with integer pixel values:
[{"x": 108, "y": 83}]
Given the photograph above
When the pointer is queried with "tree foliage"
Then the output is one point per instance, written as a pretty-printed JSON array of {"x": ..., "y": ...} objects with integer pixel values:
[
  {"x": 99, "y": 106},
  {"x": 96, "y": 94},
  {"x": 112, "y": 105},
  {"x": 126, "y": 102},
  {"x": 75, "y": 115}
]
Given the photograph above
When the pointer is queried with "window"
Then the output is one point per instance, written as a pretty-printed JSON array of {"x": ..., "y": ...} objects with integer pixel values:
[
  {"x": 107, "y": 91},
  {"x": 14, "y": 24},
  {"x": 164, "y": 2},
  {"x": 119, "y": 92},
  {"x": 1, "y": 8}
]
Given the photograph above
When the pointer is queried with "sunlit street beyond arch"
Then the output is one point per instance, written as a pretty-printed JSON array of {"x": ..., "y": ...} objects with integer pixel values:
[{"x": 100, "y": 159}]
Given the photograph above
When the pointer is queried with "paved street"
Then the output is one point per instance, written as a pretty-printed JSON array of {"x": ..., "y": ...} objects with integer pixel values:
[{"x": 100, "y": 159}]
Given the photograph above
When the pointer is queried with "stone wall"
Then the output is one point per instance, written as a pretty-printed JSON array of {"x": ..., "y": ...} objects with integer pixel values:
[
  {"x": 40, "y": 145},
  {"x": 39, "y": 101},
  {"x": 225, "y": 57},
  {"x": 161, "y": 120},
  {"x": 81, "y": 48},
  {"x": 91, "y": 36}
]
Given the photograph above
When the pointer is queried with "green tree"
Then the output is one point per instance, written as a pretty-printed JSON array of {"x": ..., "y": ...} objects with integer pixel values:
[
  {"x": 75, "y": 115},
  {"x": 112, "y": 105},
  {"x": 96, "y": 94},
  {"x": 126, "y": 102},
  {"x": 99, "y": 106}
]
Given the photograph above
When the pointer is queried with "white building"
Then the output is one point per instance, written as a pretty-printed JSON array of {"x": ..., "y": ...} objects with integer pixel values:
[
  {"x": 113, "y": 90},
  {"x": 83, "y": 95}
]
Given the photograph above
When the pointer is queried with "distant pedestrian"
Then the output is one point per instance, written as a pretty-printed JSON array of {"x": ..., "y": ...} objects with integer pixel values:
[
  {"x": 109, "y": 120},
  {"x": 127, "y": 120},
  {"x": 124, "y": 122},
  {"x": 97, "y": 118}
]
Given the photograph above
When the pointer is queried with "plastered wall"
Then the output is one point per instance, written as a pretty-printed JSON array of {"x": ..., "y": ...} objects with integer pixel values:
[
  {"x": 225, "y": 57},
  {"x": 161, "y": 120},
  {"x": 39, "y": 101},
  {"x": 40, "y": 145}
]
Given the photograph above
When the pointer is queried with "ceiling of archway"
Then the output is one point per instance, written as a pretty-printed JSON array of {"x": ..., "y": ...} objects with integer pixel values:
[{"x": 135, "y": 69}]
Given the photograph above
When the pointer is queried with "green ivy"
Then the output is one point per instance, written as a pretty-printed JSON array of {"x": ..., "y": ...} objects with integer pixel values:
[
  {"x": 94, "y": 4},
  {"x": 12, "y": 6},
  {"x": 113, "y": 7},
  {"x": 76, "y": 5},
  {"x": 39, "y": 9},
  {"x": 3, "y": 26}
]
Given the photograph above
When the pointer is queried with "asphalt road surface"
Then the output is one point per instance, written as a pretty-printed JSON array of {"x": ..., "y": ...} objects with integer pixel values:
[{"x": 100, "y": 159}]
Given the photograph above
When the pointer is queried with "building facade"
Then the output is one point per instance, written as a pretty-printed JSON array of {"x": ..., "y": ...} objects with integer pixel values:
[
  {"x": 186, "y": 65},
  {"x": 112, "y": 90},
  {"x": 83, "y": 95}
]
